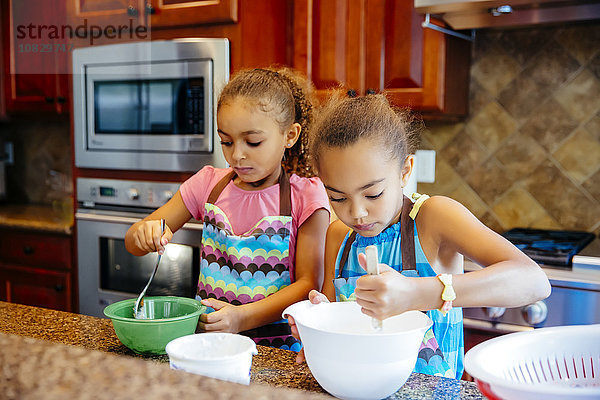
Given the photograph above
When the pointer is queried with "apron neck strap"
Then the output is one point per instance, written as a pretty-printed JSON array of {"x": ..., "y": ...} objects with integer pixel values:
[
  {"x": 407, "y": 247},
  {"x": 218, "y": 188},
  {"x": 346, "y": 251},
  {"x": 285, "y": 192},
  {"x": 407, "y": 236}
]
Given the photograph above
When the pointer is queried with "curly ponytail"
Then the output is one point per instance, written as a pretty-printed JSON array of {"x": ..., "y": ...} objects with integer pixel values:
[{"x": 287, "y": 96}]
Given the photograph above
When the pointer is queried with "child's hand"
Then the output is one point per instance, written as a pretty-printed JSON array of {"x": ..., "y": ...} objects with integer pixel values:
[
  {"x": 148, "y": 236},
  {"x": 384, "y": 295},
  {"x": 315, "y": 298},
  {"x": 226, "y": 317}
]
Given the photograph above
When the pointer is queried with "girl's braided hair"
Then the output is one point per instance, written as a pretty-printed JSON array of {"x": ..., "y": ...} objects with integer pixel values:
[
  {"x": 287, "y": 97},
  {"x": 344, "y": 121}
]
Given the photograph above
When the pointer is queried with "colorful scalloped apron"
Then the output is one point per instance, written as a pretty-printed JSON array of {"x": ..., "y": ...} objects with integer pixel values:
[
  {"x": 245, "y": 268},
  {"x": 430, "y": 359}
]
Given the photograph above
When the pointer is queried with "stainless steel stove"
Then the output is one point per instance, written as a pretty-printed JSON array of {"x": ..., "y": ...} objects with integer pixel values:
[{"x": 575, "y": 300}]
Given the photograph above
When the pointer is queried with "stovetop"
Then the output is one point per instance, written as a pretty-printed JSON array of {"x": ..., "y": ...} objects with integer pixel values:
[{"x": 550, "y": 247}]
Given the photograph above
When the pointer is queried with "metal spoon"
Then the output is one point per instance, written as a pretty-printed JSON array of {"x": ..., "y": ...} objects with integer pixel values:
[
  {"x": 138, "y": 308},
  {"x": 373, "y": 269}
]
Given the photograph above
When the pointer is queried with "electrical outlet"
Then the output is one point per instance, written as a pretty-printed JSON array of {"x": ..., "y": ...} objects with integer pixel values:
[{"x": 425, "y": 162}]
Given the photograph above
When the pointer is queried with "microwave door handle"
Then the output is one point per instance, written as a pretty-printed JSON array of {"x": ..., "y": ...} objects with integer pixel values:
[{"x": 143, "y": 102}]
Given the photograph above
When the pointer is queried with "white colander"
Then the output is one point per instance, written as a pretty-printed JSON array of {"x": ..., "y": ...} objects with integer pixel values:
[{"x": 548, "y": 363}]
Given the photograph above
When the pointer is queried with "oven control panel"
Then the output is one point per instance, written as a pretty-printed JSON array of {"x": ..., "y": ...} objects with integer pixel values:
[{"x": 117, "y": 192}]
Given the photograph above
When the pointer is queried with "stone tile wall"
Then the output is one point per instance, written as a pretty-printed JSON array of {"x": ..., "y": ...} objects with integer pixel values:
[
  {"x": 42, "y": 171},
  {"x": 528, "y": 154}
]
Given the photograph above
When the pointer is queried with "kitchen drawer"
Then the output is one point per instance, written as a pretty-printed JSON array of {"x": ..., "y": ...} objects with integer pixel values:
[
  {"x": 36, "y": 287},
  {"x": 36, "y": 249}
]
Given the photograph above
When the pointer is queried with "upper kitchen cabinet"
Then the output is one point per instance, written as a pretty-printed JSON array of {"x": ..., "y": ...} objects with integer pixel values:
[
  {"x": 168, "y": 13},
  {"x": 103, "y": 12},
  {"x": 261, "y": 36},
  {"x": 35, "y": 62},
  {"x": 368, "y": 46},
  {"x": 150, "y": 13}
]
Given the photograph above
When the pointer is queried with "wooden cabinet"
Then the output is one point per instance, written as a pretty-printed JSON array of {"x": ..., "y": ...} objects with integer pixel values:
[
  {"x": 367, "y": 46},
  {"x": 35, "y": 60},
  {"x": 103, "y": 12},
  {"x": 36, "y": 269},
  {"x": 364, "y": 46},
  {"x": 168, "y": 13},
  {"x": 36, "y": 287},
  {"x": 262, "y": 35},
  {"x": 2, "y": 98},
  {"x": 150, "y": 13}
]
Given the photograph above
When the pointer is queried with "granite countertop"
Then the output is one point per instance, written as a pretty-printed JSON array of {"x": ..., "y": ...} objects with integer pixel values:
[
  {"x": 97, "y": 365},
  {"x": 54, "y": 219}
]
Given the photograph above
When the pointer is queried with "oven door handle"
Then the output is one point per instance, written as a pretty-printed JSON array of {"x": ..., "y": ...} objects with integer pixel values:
[
  {"x": 124, "y": 220},
  {"x": 469, "y": 323}
]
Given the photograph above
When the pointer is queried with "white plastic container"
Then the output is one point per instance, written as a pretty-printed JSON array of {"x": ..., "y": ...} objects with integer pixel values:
[
  {"x": 351, "y": 360},
  {"x": 545, "y": 364},
  {"x": 224, "y": 356}
]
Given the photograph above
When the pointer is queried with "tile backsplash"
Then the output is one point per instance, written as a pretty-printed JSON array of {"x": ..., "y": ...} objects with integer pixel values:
[
  {"x": 528, "y": 154},
  {"x": 42, "y": 171}
]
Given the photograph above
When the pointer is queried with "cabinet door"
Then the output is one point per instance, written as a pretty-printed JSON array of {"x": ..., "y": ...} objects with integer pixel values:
[
  {"x": 418, "y": 67},
  {"x": 393, "y": 46},
  {"x": 36, "y": 61},
  {"x": 103, "y": 12},
  {"x": 328, "y": 45},
  {"x": 373, "y": 45},
  {"x": 35, "y": 287},
  {"x": 170, "y": 13}
]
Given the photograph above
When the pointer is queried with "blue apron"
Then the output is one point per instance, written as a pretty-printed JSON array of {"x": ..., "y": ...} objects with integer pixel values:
[{"x": 430, "y": 359}]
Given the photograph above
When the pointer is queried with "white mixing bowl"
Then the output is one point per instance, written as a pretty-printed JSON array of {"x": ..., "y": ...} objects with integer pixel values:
[
  {"x": 224, "y": 356},
  {"x": 348, "y": 358}
]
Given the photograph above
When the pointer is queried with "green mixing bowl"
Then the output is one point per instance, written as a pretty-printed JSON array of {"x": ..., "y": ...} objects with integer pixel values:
[{"x": 169, "y": 318}]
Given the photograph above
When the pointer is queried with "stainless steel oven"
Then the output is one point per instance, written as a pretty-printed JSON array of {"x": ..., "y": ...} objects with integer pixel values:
[
  {"x": 148, "y": 105},
  {"x": 570, "y": 303},
  {"x": 575, "y": 297},
  {"x": 106, "y": 271}
]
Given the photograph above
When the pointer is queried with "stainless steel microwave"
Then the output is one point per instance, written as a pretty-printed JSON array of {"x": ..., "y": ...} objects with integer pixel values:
[{"x": 149, "y": 105}]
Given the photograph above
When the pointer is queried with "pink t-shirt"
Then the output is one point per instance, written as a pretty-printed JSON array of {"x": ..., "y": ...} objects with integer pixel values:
[{"x": 244, "y": 208}]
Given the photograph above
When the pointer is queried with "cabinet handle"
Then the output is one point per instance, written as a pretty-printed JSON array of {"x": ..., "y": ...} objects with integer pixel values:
[
  {"x": 28, "y": 250},
  {"x": 49, "y": 99},
  {"x": 500, "y": 10},
  {"x": 61, "y": 100},
  {"x": 371, "y": 91},
  {"x": 150, "y": 9},
  {"x": 59, "y": 287},
  {"x": 132, "y": 11},
  {"x": 351, "y": 93}
]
